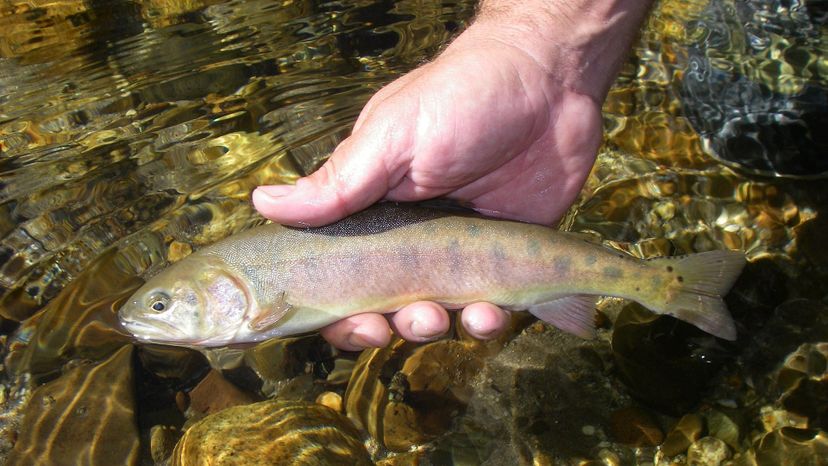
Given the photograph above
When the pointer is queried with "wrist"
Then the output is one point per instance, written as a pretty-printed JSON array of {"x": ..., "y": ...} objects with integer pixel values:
[{"x": 579, "y": 43}]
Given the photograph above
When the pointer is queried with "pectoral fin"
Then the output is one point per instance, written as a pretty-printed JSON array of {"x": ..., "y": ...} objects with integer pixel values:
[
  {"x": 271, "y": 317},
  {"x": 574, "y": 314}
]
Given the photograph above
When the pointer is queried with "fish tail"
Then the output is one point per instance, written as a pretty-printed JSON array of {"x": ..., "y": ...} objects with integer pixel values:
[{"x": 699, "y": 282}]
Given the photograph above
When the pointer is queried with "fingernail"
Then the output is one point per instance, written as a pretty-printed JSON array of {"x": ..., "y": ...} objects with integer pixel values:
[
  {"x": 479, "y": 328},
  {"x": 277, "y": 190},
  {"x": 422, "y": 330}
]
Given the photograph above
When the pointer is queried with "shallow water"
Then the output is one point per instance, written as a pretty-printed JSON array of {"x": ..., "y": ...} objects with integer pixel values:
[{"x": 132, "y": 133}]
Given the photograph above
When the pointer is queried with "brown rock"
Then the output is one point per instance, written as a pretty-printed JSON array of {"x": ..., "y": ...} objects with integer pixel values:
[
  {"x": 162, "y": 442},
  {"x": 634, "y": 426},
  {"x": 214, "y": 393},
  {"x": 534, "y": 399},
  {"x": 686, "y": 431},
  {"x": 788, "y": 445},
  {"x": 723, "y": 427},
  {"x": 708, "y": 451},
  {"x": 86, "y": 416},
  {"x": 271, "y": 432},
  {"x": 182, "y": 401},
  {"x": 412, "y": 458},
  {"x": 331, "y": 400},
  {"x": 80, "y": 322},
  {"x": 172, "y": 362},
  {"x": 179, "y": 250},
  {"x": 405, "y": 395}
]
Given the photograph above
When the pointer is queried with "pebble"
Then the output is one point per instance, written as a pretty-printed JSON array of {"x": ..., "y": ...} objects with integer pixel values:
[
  {"x": 331, "y": 400},
  {"x": 636, "y": 427},
  {"x": 162, "y": 442},
  {"x": 179, "y": 250},
  {"x": 687, "y": 430},
  {"x": 214, "y": 393},
  {"x": 721, "y": 426},
  {"x": 708, "y": 451}
]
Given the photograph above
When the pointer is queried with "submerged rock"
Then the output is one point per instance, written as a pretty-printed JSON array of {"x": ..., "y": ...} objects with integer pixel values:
[
  {"x": 79, "y": 323},
  {"x": 86, "y": 416},
  {"x": 546, "y": 396},
  {"x": 802, "y": 447},
  {"x": 708, "y": 451},
  {"x": 291, "y": 365},
  {"x": 271, "y": 432},
  {"x": 172, "y": 363},
  {"x": 686, "y": 431},
  {"x": 214, "y": 393},
  {"x": 407, "y": 394},
  {"x": 636, "y": 427},
  {"x": 162, "y": 442},
  {"x": 666, "y": 364},
  {"x": 803, "y": 380},
  {"x": 724, "y": 427}
]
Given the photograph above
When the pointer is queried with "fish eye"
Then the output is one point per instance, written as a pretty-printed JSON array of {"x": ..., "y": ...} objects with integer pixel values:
[{"x": 158, "y": 303}]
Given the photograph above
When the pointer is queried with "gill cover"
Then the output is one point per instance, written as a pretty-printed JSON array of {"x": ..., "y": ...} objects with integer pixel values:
[{"x": 200, "y": 298}]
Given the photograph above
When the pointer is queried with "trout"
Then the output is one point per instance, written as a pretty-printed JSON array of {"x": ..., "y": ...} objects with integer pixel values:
[{"x": 273, "y": 281}]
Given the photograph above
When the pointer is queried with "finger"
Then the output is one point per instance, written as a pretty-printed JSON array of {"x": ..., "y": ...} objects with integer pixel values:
[
  {"x": 360, "y": 172},
  {"x": 484, "y": 321},
  {"x": 421, "y": 321},
  {"x": 358, "y": 332},
  {"x": 353, "y": 178}
]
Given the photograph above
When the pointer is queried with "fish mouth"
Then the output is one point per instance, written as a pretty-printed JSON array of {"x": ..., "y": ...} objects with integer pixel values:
[{"x": 153, "y": 331}]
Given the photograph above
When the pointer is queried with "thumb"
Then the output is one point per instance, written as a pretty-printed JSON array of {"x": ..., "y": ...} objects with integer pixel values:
[{"x": 355, "y": 176}]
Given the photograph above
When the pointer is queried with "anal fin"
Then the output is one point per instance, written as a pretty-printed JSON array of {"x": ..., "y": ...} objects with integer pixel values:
[{"x": 574, "y": 314}]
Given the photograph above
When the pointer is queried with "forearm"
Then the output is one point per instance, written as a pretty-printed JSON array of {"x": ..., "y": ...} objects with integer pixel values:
[{"x": 581, "y": 43}]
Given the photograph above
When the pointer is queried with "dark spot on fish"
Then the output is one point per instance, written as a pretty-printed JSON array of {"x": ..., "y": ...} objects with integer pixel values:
[
  {"x": 532, "y": 247},
  {"x": 33, "y": 291},
  {"x": 562, "y": 266},
  {"x": 680, "y": 278},
  {"x": 473, "y": 230},
  {"x": 454, "y": 256},
  {"x": 409, "y": 259},
  {"x": 591, "y": 259},
  {"x": 498, "y": 255},
  {"x": 637, "y": 288},
  {"x": 669, "y": 268},
  {"x": 613, "y": 272}
]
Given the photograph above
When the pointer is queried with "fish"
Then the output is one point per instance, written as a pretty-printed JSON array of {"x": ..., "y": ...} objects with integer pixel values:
[{"x": 275, "y": 281}]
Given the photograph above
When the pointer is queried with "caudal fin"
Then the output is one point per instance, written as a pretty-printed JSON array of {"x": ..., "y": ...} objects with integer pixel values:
[{"x": 700, "y": 282}]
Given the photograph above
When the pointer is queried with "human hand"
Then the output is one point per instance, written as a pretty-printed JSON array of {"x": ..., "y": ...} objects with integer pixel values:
[{"x": 485, "y": 123}]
